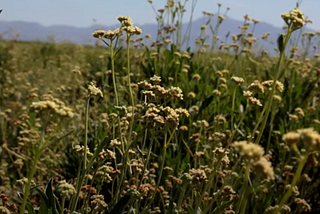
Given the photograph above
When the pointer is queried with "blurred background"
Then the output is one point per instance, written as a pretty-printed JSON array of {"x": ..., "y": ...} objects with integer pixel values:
[
  {"x": 80, "y": 13},
  {"x": 75, "y": 20}
]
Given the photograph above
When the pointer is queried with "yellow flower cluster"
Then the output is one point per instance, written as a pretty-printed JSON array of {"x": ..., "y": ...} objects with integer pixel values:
[
  {"x": 53, "y": 106},
  {"x": 253, "y": 154},
  {"x": 308, "y": 136},
  {"x": 294, "y": 18}
]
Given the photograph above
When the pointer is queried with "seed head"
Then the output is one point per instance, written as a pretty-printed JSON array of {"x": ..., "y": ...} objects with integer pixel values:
[
  {"x": 109, "y": 34},
  {"x": 155, "y": 79},
  {"x": 269, "y": 83},
  {"x": 125, "y": 20},
  {"x": 216, "y": 93},
  {"x": 65, "y": 189},
  {"x": 249, "y": 151},
  {"x": 237, "y": 80},
  {"x": 294, "y": 18},
  {"x": 254, "y": 101},
  {"x": 94, "y": 90},
  {"x": 196, "y": 77},
  {"x": 263, "y": 166},
  {"x": 98, "y": 34},
  {"x": 311, "y": 138},
  {"x": 299, "y": 111},
  {"x": 256, "y": 86},
  {"x": 247, "y": 94},
  {"x": 221, "y": 18},
  {"x": 291, "y": 138}
]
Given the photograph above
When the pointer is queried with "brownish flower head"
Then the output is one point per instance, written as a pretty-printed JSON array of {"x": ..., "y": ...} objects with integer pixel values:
[
  {"x": 237, "y": 80},
  {"x": 249, "y": 151},
  {"x": 291, "y": 138},
  {"x": 264, "y": 167},
  {"x": 98, "y": 33},
  {"x": 295, "y": 19}
]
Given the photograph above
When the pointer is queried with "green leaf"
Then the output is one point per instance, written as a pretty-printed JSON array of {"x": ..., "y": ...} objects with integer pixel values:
[
  {"x": 30, "y": 208},
  {"x": 219, "y": 208},
  {"x": 51, "y": 197},
  {"x": 105, "y": 143},
  {"x": 191, "y": 210},
  {"x": 58, "y": 138},
  {"x": 44, "y": 202},
  {"x": 121, "y": 205},
  {"x": 280, "y": 42},
  {"x": 48, "y": 200}
]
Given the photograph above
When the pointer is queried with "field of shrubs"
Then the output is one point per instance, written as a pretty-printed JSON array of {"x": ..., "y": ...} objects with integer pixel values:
[{"x": 137, "y": 124}]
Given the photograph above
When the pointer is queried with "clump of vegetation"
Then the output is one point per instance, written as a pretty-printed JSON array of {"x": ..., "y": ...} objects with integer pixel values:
[{"x": 141, "y": 126}]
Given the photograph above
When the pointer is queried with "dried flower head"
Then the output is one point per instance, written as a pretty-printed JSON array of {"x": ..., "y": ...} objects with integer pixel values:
[
  {"x": 311, "y": 138},
  {"x": 264, "y": 167},
  {"x": 221, "y": 18},
  {"x": 299, "y": 111},
  {"x": 216, "y": 93},
  {"x": 249, "y": 151},
  {"x": 94, "y": 90},
  {"x": 196, "y": 77},
  {"x": 109, "y": 34},
  {"x": 305, "y": 207},
  {"x": 291, "y": 138},
  {"x": 98, "y": 34},
  {"x": 269, "y": 83},
  {"x": 4, "y": 210},
  {"x": 65, "y": 189},
  {"x": 256, "y": 86},
  {"x": 277, "y": 98},
  {"x": 247, "y": 94},
  {"x": 220, "y": 119},
  {"x": 98, "y": 203},
  {"x": 155, "y": 79},
  {"x": 125, "y": 20},
  {"x": 294, "y": 19},
  {"x": 254, "y": 101},
  {"x": 237, "y": 80}
]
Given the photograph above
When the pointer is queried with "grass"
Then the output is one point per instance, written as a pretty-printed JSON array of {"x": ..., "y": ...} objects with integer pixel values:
[{"x": 134, "y": 126}]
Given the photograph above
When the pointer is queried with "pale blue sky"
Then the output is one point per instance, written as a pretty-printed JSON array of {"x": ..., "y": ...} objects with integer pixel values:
[{"x": 81, "y": 12}]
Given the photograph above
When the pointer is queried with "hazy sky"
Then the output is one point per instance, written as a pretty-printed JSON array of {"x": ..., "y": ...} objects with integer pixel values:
[{"x": 80, "y": 13}]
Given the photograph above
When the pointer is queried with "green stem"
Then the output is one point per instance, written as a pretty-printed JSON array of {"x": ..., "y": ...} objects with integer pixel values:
[
  {"x": 86, "y": 134},
  {"x": 271, "y": 130},
  {"x": 130, "y": 89},
  {"x": 113, "y": 73},
  {"x": 269, "y": 104},
  {"x": 233, "y": 106},
  {"x": 28, "y": 185},
  {"x": 81, "y": 176},
  {"x": 240, "y": 207},
  {"x": 62, "y": 205},
  {"x": 293, "y": 183}
]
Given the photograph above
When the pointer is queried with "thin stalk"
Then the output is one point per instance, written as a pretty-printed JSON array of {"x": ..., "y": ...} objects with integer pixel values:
[
  {"x": 293, "y": 183},
  {"x": 28, "y": 185},
  {"x": 269, "y": 104},
  {"x": 188, "y": 33},
  {"x": 166, "y": 143},
  {"x": 182, "y": 194},
  {"x": 86, "y": 133},
  {"x": 130, "y": 89},
  {"x": 240, "y": 207},
  {"x": 233, "y": 107},
  {"x": 146, "y": 163},
  {"x": 271, "y": 129},
  {"x": 113, "y": 74},
  {"x": 62, "y": 205},
  {"x": 81, "y": 176}
]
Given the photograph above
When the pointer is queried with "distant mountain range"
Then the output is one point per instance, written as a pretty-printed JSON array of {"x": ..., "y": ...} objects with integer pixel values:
[{"x": 29, "y": 31}]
